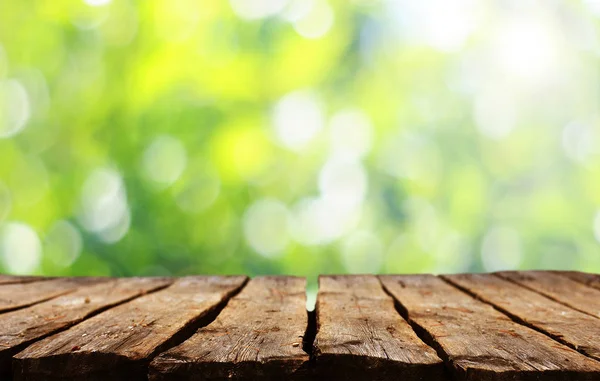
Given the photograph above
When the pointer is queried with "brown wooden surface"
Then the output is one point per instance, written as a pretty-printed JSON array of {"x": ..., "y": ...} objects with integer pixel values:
[
  {"x": 480, "y": 343},
  {"x": 14, "y": 296},
  {"x": 118, "y": 343},
  {"x": 592, "y": 280},
  {"x": 523, "y": 326},
  {"x": 361, "y": 336},
  {"x": 560, "y": 288},
  {"x": 259, "y": 335},
  {"x": 9, "y": 279},
  {"x": 576, "y": 329},
  {"x": 22, "y": 327}
]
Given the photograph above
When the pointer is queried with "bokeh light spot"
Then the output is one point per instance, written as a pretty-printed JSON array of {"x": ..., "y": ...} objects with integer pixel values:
[
  {"x": 104, "y": 208},
  {"x": 297, "y": 119},
  {"x": 318, "y": 221},
  {"x": 343, "y": 182},
  {"x": 596, "y": 226},
  {"x": 579, "y": 141},
  {"x": 63, "y": 243},
  {"x": 527, "y": 49},
  {"x": 20, "y": 248},
  {"x": 443, "y": 25},
  {"x": 501, "y": 249},
  {"x": 317, "y": 21},
  {"x": 266, "y": 227},
  {"x": 164, "y": 160},
  {"x": 257, "y": 9},
  {"x": 15, "y": 109},
  {"x": 97, "y": 3},
  {"x": 495, "y": 113},
  {"x": 351, "y": 133}
]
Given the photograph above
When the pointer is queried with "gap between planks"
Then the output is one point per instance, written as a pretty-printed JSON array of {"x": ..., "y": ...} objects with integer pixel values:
[
  {"x": 582, "y": 297},
  {"x": 526, "y": 307},
  {"x": 119, "y": 343},
  {"x": 415, "y": 290},
  {"x": 311, "y": 329}
]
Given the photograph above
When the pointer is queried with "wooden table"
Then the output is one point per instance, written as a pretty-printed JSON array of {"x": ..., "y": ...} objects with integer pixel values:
[{"x": 501, "y": 326}]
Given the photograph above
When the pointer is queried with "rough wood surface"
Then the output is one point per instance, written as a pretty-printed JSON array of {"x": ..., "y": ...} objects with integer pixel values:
[
  {"x": 592, "y": 280},
  {"x": 118, "y": 343},
  {"x": 560, "y": 288},
  {"x": 576, "y": 329},
  {"x": 22, "y": 327},
  {"x": 9, "y": 279},
  {"x": 361, "y": 336},
  {"x": 258, "y": 335},
  {"x": 480, "y": 343},
  {"x": 14, "y": 296}
]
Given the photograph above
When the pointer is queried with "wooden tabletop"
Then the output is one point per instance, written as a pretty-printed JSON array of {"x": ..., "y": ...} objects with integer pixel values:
[{"x": 504, "y": 326}]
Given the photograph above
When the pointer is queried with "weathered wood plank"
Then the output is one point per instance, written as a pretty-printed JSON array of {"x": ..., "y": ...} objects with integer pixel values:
[
  {"x": 258, "y": 335},
  {"x": 479, "y": 342},
  {"x": 10, "y": 279},
  {"x": 22, "y": 327},
  {"x": 118, "y": 343},
  {"x": 560, "y": 288},
  {"x": 592, "y": 280},
  {"x": 361, "y": 336},
  {"x": 576, "y": 329},
  {"x": 14, "y": 296}
]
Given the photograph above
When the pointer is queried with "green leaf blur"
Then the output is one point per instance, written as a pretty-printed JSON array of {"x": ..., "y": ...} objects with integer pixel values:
[{"x": 298, "y": 136}]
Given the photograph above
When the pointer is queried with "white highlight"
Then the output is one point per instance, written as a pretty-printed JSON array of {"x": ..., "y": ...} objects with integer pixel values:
[
  {"x": 343, "y": 182},
  {"x": 351, "y": 133},
  {"x": 317, "y": 221},
  {"x": 579, "y": 141},
  {"x": 63, "y": 243},
  {"x": 266, "y": 227},
  {"x": 313, "y": 19},
  {"x": 15, "y": 108},
  {"x": 443, "y": 25},
  {"x": 97, "y": 3},
  {"x": 104, "y": 205},
  {"x": 501, "y": 249},
  {"x": 297, "y": 119},
  {"x": 20, "y": 248},
  {"x": 593, "y": 6},
  {"x": 343, "y": 185},
  {"x": 257, "y": 9},
  {"x": 164, "y": 160},
  {"x": 527, "y": 49},
  {"x": 495, "y": 113},
  {"x": 596, "y": 226}
]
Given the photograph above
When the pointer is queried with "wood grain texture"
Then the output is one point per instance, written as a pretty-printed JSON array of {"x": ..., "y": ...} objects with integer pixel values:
[
  {"x": 118, "y": 343},
  {"x": 257, "y": 336},
  {"x": 576, "y": 329},
  {"x": 480, "y": 343},
  {"x": 10, "y": 279},
  {"x": 592, "y": 280},
  {"x": 361, "y": 336},
  {"x": 22, "y": 327},
  {"x": 560, "y": 288},
  {"x": 14, "y": 296}
]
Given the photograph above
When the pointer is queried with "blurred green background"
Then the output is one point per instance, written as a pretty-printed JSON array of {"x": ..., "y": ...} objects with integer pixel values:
[{"x": 298, "y": 136}]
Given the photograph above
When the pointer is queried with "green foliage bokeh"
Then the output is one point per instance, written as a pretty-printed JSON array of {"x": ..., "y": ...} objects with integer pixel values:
[{"x": 479, "y": 151}]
